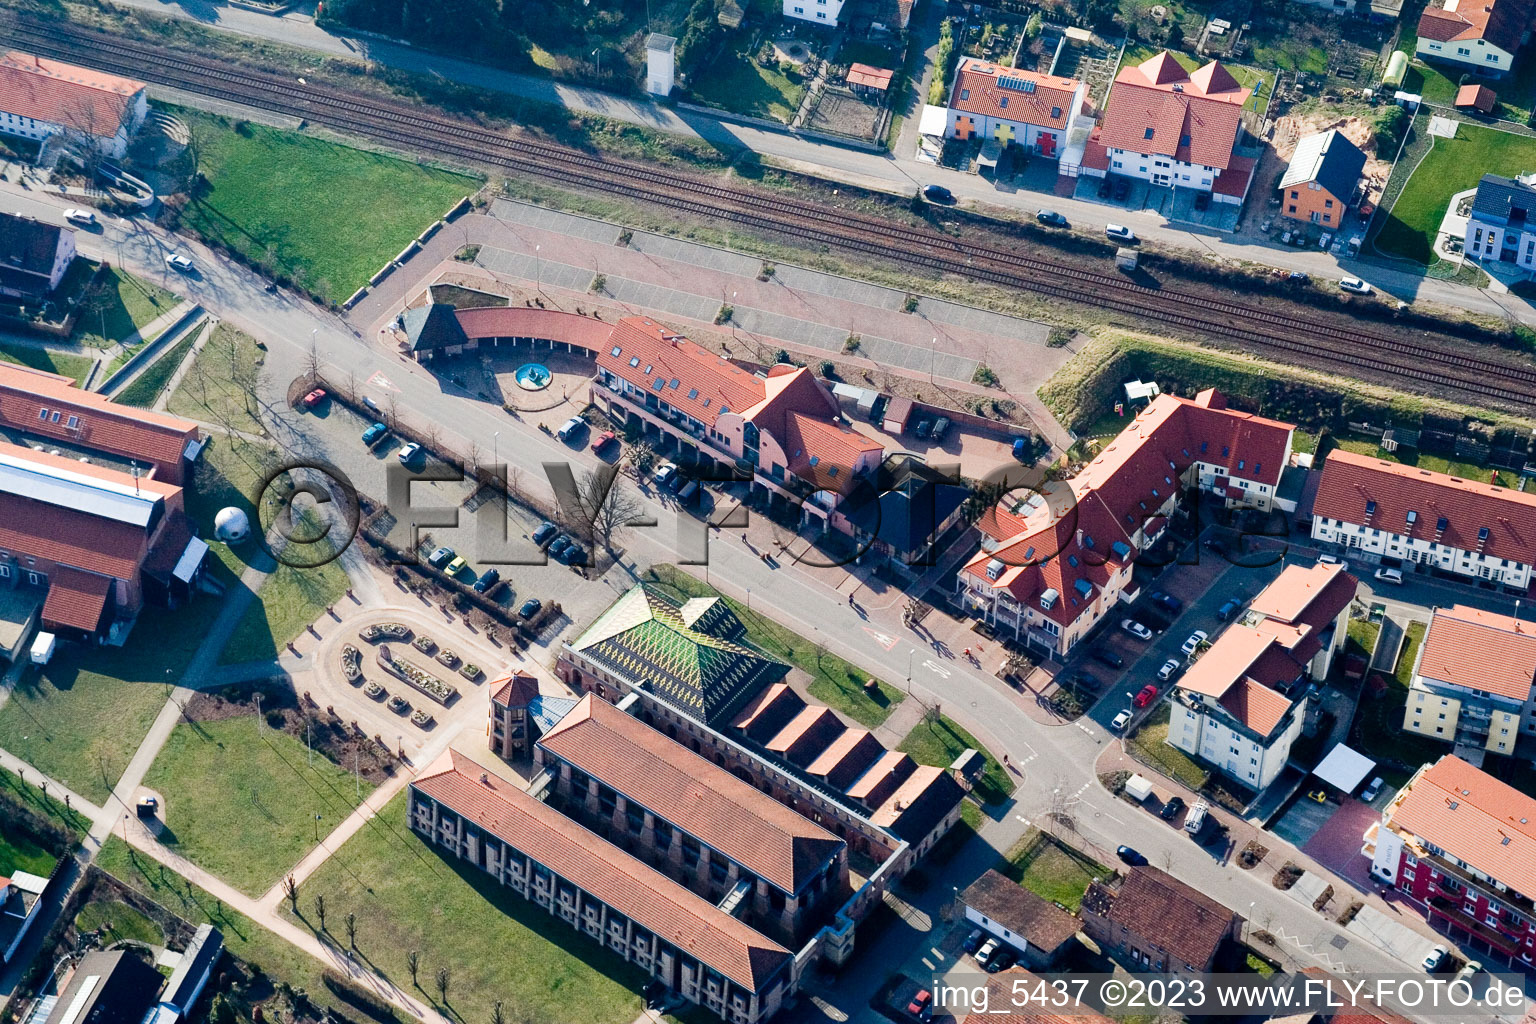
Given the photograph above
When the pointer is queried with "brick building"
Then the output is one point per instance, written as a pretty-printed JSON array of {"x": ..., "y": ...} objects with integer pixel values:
[
  {"x": 1157, "y": 922},
  {"x": 34, "y": 256},
  {"x": 42, "y": 98}
]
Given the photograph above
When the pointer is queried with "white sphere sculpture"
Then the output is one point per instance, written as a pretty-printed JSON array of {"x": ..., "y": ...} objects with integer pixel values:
[{"x": 231, "y": 525}]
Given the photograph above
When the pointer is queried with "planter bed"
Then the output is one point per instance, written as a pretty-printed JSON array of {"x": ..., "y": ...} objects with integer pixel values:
[
  {"x": 422, "y": 719},
  {"x": 470, "y": 672},
  {"x": 424, "y": 644},
  {"x": 448, "y": 658},
  {"x": 393, "y": 631},
  {"x": 420, "y": 679},
  {"x": 352, "y": 664}
]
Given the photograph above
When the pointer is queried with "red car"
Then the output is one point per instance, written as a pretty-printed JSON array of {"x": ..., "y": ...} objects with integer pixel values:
[
  {"x": 314, "y": 398},
  {"x": 1147, "y": 695},
  {"x": 918, "y": 1007},
  {"x": 602, "y": 441}
]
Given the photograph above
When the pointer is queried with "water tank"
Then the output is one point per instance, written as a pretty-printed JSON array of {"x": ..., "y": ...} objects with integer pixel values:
[
  {"x": 231, "y": 525},
  {"x": 1397, "y": 67}
]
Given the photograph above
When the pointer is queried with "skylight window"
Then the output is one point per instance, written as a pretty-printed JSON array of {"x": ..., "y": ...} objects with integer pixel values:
[
  {"x": 634, "y": 361},
  {"x": 1149, "y": 132},
  {"x": 616, "y": 350},
  {"x": 694, "y": 393}
]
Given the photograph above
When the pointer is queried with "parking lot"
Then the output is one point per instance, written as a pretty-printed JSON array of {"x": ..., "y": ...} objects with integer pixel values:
[{"x": 1179, "y": 205}]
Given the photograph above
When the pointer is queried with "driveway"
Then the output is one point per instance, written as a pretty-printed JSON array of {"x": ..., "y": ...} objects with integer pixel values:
[
  {"x": 1303, "y": 820},
  {"x": 1336, "y": 843}
]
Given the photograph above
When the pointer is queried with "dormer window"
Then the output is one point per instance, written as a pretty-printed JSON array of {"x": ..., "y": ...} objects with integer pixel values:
[{"x": 42, "y": 414}]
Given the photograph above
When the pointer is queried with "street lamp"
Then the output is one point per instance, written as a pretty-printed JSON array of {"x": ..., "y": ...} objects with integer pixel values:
[
  {"x": 733, "y": 316},
  {"x": 932, "y": 355},
  {"x": 909, "y": 670},
  {"x": 538, "y": 270},
  {"x": 495, "y": 447}
]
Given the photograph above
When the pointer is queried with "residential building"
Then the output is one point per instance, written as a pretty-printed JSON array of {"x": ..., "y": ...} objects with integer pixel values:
[
  {"x": 1013, "y": 106},
  {"x": 818, "y": 12},
  {"x": 1501, "y": 226},
  {"x": 34, "y": 256},
  {"x": 1419, "y": 520},
  {"x": 1463, "y": 845},
  {"x": 51, "y": 408},
  {"x": 1157, "y": 922},
  {"x": 1169, "y": 127},
  {"x": 433, "y": 331},
  {"x": 1039, "y": 930},
  {"x": 107, "y": 988},
  {"x": 20, "y": 897},
  {"x": 520, "y": 715},
  {"x": 95, "y": 541},
  {"x": 1239, "y": 706},
  {"x": 1474, "y": 682},
  {"x": 1320, "y": 182},
  {"x": 1054, "y": 564},
  {"x": 672, "y": 935},
  {"x": 904, "y": 514},
  {"x": 42, "y": 98},
  {"x": 784, "y": 428},
  {"x": 694, "y": 821},
  {"x": 190, "y": 975},
  {"x": 1481, "y": 36}
]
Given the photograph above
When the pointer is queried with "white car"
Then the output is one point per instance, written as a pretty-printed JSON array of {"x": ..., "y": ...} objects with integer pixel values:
[
  {"x": 80, "y": 216},
  {"x": 1121, "y": 720},
  {"x": 1136, "y": 629},
  {"x": 1170, "y": 669},
  {"x": 1434, "y": 959},
  {"x": 409, "y": 451},
  {"x": 176, "y": 261},
  {"x": 1342, "y": 563},
  {"x": 986, "y": 952},
  {"x": 1373, "y": 789},
  {"x": 1354, "y": 284},
  {"x": 1196, "y": 638},
  {"x": 1120, "y": 233}
]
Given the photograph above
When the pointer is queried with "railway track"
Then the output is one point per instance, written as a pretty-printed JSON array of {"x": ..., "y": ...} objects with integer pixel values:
[{"x": 1293, "y": 338}]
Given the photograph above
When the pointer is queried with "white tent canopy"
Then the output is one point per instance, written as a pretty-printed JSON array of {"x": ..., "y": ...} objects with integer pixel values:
[
  {"x": 1344, "y": 768},
  {"x": 933, "y": 121}
]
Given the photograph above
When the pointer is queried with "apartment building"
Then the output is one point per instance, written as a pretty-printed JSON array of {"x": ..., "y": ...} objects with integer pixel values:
[
  {"x": 673, "y": 935},
  {"x": 1463, "y": 845},
  {"x": 1055, "y": 563},
  {"x": 1500, "y": 226},
  {"x": 817, "y": 12},
  {"x": 1474, "y": 683},
  {"x": 42, "y": 98},
  {"x": 1419, "y": 520},
  {"x": 1013, "y": 106}
]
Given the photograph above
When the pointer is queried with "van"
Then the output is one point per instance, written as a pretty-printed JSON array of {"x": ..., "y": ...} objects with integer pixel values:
[
  {"x": 570, "y": 428},
  {"x": 689, "y": 492},
  {"x": 1195, "y": 820},
  {"x": 1389, "y": 576}
]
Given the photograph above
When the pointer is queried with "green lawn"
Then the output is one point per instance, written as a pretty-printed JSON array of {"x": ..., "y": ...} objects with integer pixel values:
[
  {"x": 119, "y": 305},
  {"x": 1052, "y": 870},
  {"x": 229, "y": 474},
  {"x": 1451, "y": 166},
  {"x": 1362, "y": 635},
  {"x": 1151, "y": 744},
  {"x": 939, "y": 741},
  {"x": 498, "y": 946},
  {"x": 862, "y": 51},
  {"x": 217, "y": 388},
  {"x": 230, "y": 790},
  {"x": 40, "y": 359},
  {"x": 834, "y": 681},
  {"x": 323, "y": 214},
  {"x": 290, "y": 599},
  {"x": 13, "y": 789},
  {"x": 145, "y": 389},
  {"x": 19, "y": 853},
  {"x": 1261, "y": 82},
  {"x": 1424, "y": 460},
  {"x": 1431, "y": 82},
  {"x": 80, "y": 719},
  {"x": 1378, "y": 729},
  {"x": 737, "y": 82},
  {"x": 122, "y": 922}
]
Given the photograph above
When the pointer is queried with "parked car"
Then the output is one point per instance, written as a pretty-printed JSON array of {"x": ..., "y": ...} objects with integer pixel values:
[
  {"x": 1051, "y": 218},
  {"x": 558, "y": 548},
  {"x": 1002, "y": 960},
  {"x": 1297, "y": 277},
  {"x": 1370, "y": 792},
  {"x": 177, "y": 262},
  {"x": 1318, "y": 795},
  {"x": 530, "y": 608},
  {"x": 1147, "y": 694},
  {"x": 545, "y": 533},
  {"x": 79, "y": 216},
  {"x": 313, "y": 399},
  {"x": 1342, "y": 563},
  {"x": 987, "y": 951},
  {"x": 1120, "y": 233},
  {"x": 1120, "y": 721},
  {"x": 487, "y": 581},
  {"x": 921, "y": 1004},
  {"x": 664, "y": 475},
  {"x": 570, "y": 428},
  {"x": 973, "y": 941},
  {"x": 1194, "y": 821},
  {"x": 440, "y": 557},
  {"x": 1471, "y": 970},
  {"x": 1389, "y": 576},
  {"x": 1020, "y": 449},
  {"x": 1105, "y": 188},
  {"x": 1196, "y": 638},
  {"x": 409, "y": 452},
  {"x": 923, "y": 429},
  {"x": 602, "y": 441},
  {"x": 1108, "y": 657},
  {"x": 1130, "y": 856},
  {"x": 1355, "y": 285},
  {"x": 458, "y": 565},
  {"x": 1090, "y": 683},
  {"x": 374, "y": 434},
  {"x": 1122, "y": 189},
  {"x": 1172, "y": 809},
  {"x": 938, "y": 194},
  {"x": 940, "y": 428},
  {"x": 1169, "y": 669},
  {"x": 1136, "y": 629},
  {"x": 1229, "y": 610},
  {"x": 1167, "y": 602},
  {"x": 1434, "y": 958},
  {"x": 574, "y": 554}
]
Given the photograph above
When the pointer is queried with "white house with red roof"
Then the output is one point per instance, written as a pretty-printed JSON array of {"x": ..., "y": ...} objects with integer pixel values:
[
  {"x": 1462, "y": 844},
  {"x": 1174, "y": 128},
  {"x": 1012, "y": 106},
  {"x": 1482, "y": 36},
  {"x": 40, "y": 98},
  {"x": 1417, "y": 519},
  {"x": 818, "y": 12},
  {"x": 1473, "y": 681},
  {"x": 1238, "y": 706},
  {"x": 1054, "y": 563},
  {"x": 782, "y": 426}
]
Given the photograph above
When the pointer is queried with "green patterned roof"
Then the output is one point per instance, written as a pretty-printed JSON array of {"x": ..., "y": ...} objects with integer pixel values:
[{"x": 694, "y": 656}]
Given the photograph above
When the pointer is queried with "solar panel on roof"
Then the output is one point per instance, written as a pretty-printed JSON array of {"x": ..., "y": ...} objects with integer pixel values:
[{"x": 1017, "y": 84}]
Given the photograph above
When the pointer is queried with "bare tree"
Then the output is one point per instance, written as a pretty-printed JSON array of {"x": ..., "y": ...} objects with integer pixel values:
[
  {"x": 442, "y": 979},
  {"x": 87, "y": 127},
  {"x": 413, "y": 964},
  {"x": 320, "y": 909},
  {"x": 291, "y": 891},
  {"x": 605, "y": 505},
  {"x": 312, "y": 361},
  {"x": 351, "y": 930},
  {"x": 391, "y": 407},
  {"x": 497, "y": 1016}
]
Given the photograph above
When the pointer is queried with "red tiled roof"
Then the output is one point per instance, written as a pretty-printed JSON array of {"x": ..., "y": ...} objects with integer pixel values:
[
  {"x": 1046, "y": 100},
  {"x": 76, "y": 599},
  {"x": 1094, "y": 153},
  {"x": 1157, "y": 108},
  {"x": 648, "y": 352},
  {"x": 119, "y": 429},
  {"x": 1314, "y": 594},
  {"x": 769, "y": 711},
  {"x": 807, "y": 734},
  {"x": 80, "y": 98},
  {"x": 71, "y": 537},
  {"x": 1183, "y": 920},
  {"x": 1350, "y": 480},
  {"x": 1500, "y": 22},
  {"x": 1478, "y": 97},
  {"x": 919, "y": 803},
  {"x": 545, "y": 324},
  {"x": 874, "y": 78},
  {"x": 598, "y": 867},
  {"x": 1240, "y": 671},
  {"x": 823, "y": 453},
  {"x": 1487, "y": 824},
  {"x": 516, "y": 689},
  {"x": 881, "y": 778},
  {"x": 1233, "y": 181},
  {"x": 846, "y": 757},
  {"x": 1481, "y": 650},
  {"x": 1256, "y": 705},
  {"x": 694, "y": 794}
]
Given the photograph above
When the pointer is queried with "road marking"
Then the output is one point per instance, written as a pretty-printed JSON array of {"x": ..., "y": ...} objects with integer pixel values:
[
  {"x": 378, "y": 380},
  {"x": 883, "y": 639},
  {"x": 1021, "y": 817},
  {"x": 935, "y": 666}
]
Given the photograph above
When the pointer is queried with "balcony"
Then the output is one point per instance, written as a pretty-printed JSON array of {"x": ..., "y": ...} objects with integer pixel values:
[
  {"x": 1522, "y": 906},
  {"x": 1450, "y": 912}
]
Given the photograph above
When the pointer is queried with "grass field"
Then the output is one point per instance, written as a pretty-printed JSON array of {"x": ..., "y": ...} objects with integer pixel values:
[
  {"x": 229, "y": 474},
  {"x": 1378, "y": 727},
  {"x": 325, "y": 215},
  {"x": 289, "y": 600},
  {"x": 1052, "y": 870},
  {"x": 1151, "y": 744},
  {"x": 216, "y": 389},
  {"x": 119, "y": 305},
  {"x": 23, "y": 792},
  {"x": 1451, "y": 166},
  {"x": 80, "y": 719},
  {"x": 231, "y": 789},
  {"x": 121, "y": 921},
  {"x": 735, "y": 81},
  {"x": 18, "y": 853},
  {"x": 40, "y": 359},
  {"x": 939, "y": 741},
  {"x": 834, "y": 681},
  {"x": 145, "y": 389},
  {"x": 1424, "y": 460},
  {"x": 498, "y": 946},
  {"x": 1260, "y": 82}
]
